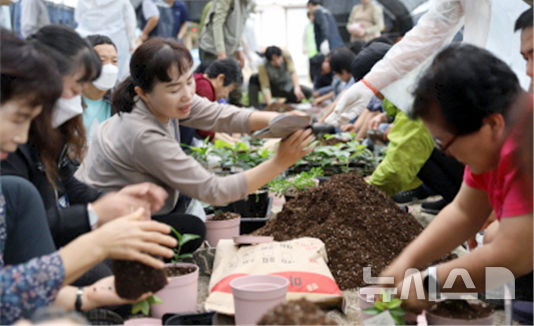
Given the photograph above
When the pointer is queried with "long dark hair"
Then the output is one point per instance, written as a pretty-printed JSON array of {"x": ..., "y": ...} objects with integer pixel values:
[
  {"x": 27, "y": 74},
  {"x": 70, "y": 52},
  {"x": 150, "y": 63}
]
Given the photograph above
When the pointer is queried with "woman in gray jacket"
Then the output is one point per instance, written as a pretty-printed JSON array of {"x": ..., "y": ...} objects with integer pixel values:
[{"x": 141, "y": 143}]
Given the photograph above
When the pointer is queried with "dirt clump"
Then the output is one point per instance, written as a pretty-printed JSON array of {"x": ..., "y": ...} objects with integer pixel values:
[
  {"x": 133, "y": 279},
  {"x": 358, "y": 223},
  {"x": 299, "y": 312},
  {"x": 462, "y": 309}
]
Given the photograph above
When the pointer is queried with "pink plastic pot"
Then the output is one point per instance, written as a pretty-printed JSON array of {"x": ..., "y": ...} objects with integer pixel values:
[
  {"x": 254, "y": 295},
  {"x": 217, "y": 230},
  {"x": 180, "y": 295},
  {"x": 143, "y": 321},
  {"x": 433, "y": 319}
]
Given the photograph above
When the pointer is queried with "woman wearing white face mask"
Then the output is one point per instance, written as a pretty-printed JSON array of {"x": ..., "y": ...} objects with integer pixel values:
[
  {"x": 96, "y": 95},
  {"x": 57, "y": 141}
]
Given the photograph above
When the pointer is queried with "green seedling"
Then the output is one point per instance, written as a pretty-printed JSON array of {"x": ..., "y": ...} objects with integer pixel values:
[
  {"x": 301, "y": 181},
  {"x": 386, "y": 304},
  {"x": 144, "y": 305}
]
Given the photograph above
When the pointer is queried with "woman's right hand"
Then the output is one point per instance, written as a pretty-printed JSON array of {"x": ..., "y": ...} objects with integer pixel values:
[
  {"x": 133, "y": 238},
  {"x": 294, "y": 147}
]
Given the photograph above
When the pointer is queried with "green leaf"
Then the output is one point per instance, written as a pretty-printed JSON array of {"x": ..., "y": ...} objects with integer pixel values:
[
  {"x": 177, "y": 234},
  {"x": 380, "y": 305},
  {"x": 155, "y": 300},
  {"x": 371, "y": 311},
  {"x": 187, "y": 237},
  {"x": 141, "y": 306},
  {"x": 398, "y": 320},
  {"x": 397, "y": 312},
  {"x": 182, "y": 256},
  {"x": 394, "y": 303}
]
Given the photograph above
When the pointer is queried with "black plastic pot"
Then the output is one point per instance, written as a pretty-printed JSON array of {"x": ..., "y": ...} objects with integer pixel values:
[{"x": 254, "y": 211}]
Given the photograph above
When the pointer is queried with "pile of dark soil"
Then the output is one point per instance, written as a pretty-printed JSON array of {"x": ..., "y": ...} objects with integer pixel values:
[
  {"x": 461, "y": 309},
  {"x": 223, "y": 216},
  {"x": 279, "y": 107},
  {"x": 133, "y": 279},
  {"x": 359, "y": 225},
  {"x": 300, "y": 312}
]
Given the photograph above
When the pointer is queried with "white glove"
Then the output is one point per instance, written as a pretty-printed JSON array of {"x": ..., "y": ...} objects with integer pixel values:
[
  {"x": 352, "y": 102},
  {"x": 324, "y": 47}
]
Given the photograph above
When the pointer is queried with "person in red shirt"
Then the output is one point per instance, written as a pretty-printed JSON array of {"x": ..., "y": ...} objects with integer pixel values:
[
  {"x": 466, "y": 99},
  {"x": 219, "y": 79}
]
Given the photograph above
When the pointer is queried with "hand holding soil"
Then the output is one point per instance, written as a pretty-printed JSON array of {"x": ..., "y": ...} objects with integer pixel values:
[
  {"x": 103, "y": 293},
  {"x": 294, "y": 147},
  {"x": 131, "y": 238}
]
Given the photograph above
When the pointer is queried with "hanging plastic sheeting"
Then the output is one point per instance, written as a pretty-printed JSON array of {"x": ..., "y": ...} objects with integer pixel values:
[{"x": 487, "y": 23}]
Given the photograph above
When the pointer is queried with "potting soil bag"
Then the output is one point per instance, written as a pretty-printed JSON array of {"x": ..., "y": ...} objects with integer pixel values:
[{"x": 302, "y": 261}]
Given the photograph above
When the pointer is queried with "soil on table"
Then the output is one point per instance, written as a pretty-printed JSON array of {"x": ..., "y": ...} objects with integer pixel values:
[
  {"x": 171, "y": 271},
  {"x": 223, "y": 216},
  {"x": 279, "y": 107},
  {"x": 332, "y": 141},
  {"x": 299, "y": 312},
  {"x": 462, "y": 309},
  {"x": 358, "y": 223},
  {"x": 133, "y": 279}
]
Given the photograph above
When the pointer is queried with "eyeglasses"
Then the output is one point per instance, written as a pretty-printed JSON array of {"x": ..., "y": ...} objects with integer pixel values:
[{"x": 443, "y": 147}]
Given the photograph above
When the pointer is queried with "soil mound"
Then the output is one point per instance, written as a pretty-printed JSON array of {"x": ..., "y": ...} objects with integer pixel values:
[{"x": 359, "y": 225}]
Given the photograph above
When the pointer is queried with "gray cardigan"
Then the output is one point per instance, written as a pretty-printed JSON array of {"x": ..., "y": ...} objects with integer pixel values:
[{"x": 136, "y": 147}]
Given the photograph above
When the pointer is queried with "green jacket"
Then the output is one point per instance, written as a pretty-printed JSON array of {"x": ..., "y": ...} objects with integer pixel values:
[
  {"x": 223, "y": 26},
  {"x": 410, "y": 146}
]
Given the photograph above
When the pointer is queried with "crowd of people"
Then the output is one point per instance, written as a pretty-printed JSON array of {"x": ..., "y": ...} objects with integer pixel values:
[{"x": 93, "y": 122}]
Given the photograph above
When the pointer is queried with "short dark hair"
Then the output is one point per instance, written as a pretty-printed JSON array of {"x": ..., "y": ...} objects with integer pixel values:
[
  {"x": 68, "y": 49},
  {"x": 272, "y": 50},
  {"x": 367, "y": 58},
  {"x": 229, "y": 68},
  {"x": 524, "y": 21},
  {"x": 465, "y": 84},
  {"x": 341, "y": 59},
  {"x": 315, "y": 2},
  {"x": 98, "y": 39},
  {"x": 150, "y": 63},
  {"x": 27, "y": 73}
]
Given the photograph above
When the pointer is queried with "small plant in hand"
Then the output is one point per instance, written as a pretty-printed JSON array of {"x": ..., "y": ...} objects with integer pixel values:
[
  {"x": 385, "y": 303},
  {"x": 300, "y": 182},
  {"x": 144, "y": 305}
]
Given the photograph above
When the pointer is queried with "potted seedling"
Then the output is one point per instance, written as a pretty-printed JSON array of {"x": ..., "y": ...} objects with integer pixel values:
[
  {"x": 180, "y": 294},
  {"x": 290, "y": 187},
  {"x": 222, "y": 225},
  {"x": 385, "y": 303},
  {"x": 176, "y": 276},
  {"x": 460, "y": 312}
]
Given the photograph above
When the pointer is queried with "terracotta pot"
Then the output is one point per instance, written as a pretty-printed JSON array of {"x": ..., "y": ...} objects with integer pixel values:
[
  {"x": 254, "y": 295},
  {"x": 225, "y": 229},
  {"x": 142, "y": 321},
  {"x": 180, "y": 295},
  {"x": 433, "y": 319}
]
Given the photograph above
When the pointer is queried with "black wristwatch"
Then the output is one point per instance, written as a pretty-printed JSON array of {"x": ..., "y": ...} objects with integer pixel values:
[{"x": 78, "y": 302}]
